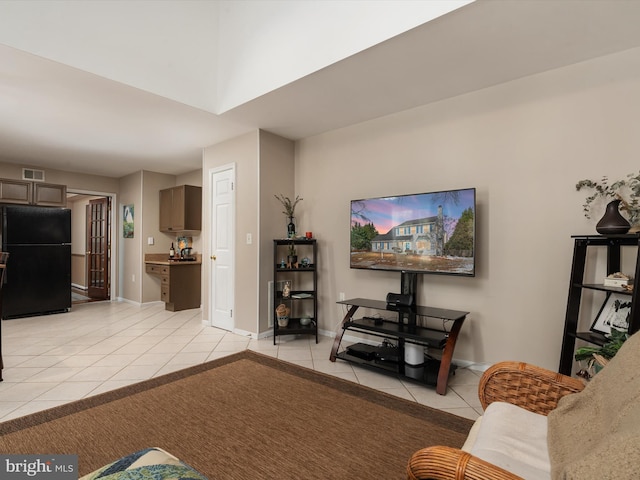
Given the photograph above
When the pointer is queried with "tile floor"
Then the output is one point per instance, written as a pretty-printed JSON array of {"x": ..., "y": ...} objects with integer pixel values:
[{"x": 96, "y": 347}]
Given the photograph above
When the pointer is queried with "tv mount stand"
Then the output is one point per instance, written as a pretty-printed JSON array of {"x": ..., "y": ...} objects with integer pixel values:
[{"x": 410, "y": 327}]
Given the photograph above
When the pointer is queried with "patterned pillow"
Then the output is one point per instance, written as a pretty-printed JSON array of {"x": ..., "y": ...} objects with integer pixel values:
[{"x": 149, "y": 464}]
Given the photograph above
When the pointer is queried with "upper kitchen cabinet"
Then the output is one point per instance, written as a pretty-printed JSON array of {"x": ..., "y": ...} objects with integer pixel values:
[
  {"x": 181, "y": 209},
  {"x": 24, "y": 192}
]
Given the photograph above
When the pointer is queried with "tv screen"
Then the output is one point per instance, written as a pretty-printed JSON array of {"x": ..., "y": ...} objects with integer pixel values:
[{"x": 422, "y": 233}]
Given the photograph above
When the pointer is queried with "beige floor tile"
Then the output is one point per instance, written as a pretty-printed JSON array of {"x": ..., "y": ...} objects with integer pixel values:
[{"x": 73, "y": 356}]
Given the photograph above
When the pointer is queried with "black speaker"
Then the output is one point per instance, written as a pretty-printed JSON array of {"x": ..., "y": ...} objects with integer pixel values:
[{"x": 399, "y": 299}]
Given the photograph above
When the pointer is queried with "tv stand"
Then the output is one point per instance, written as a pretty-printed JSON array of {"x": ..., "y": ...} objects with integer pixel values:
[{"x": 408, "y": 325}]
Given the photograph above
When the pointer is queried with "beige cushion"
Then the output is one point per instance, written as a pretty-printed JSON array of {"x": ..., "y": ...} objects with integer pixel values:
[{"x": 514, "y": 439}]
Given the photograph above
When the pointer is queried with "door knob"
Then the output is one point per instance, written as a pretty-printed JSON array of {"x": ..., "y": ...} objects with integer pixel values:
[{"x": 213, "y": 257}]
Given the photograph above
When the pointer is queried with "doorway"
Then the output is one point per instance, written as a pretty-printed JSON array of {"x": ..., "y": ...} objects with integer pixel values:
[{"x": 91, "y": 259}]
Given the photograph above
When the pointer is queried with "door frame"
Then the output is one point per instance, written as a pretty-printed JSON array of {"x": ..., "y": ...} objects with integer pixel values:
[
  {"x": 211, "y": 297},
  {"x": 114, "y": 245}
]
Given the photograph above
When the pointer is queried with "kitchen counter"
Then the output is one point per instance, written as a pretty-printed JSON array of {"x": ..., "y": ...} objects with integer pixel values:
[
  {"x": 180, "y": 281},
  {"x": 162, "y": 259}
]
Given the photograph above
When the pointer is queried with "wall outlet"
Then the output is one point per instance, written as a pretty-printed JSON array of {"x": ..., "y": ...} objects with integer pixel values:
[
  {"x": 133, "y": 277},
  {"x": 341, "y": 296}
]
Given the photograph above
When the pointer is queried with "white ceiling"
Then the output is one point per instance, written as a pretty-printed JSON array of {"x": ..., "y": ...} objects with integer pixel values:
[{"x": 56, "y": 116}]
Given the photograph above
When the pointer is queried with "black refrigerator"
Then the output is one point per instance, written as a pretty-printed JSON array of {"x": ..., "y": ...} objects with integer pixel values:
[{"x": 38, "y": 275}]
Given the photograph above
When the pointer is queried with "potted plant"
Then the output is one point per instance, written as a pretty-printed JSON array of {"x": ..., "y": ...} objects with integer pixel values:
[
  {"x": 627, "y": 191},
  {"x": 598, "y": 357},
  {"x": 289, "y": 210}
]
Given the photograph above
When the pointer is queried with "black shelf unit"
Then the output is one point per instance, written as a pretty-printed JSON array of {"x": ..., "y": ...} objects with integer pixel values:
[
  {"x": 298, "y": 274},
  {"x": 406, "y": 329},
  {"x": 613, "y": 245}
]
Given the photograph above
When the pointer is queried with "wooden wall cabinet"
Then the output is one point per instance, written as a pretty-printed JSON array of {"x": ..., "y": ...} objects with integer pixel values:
[
  {"x": 181, "y": 209},
  {"x": 25, "y": 192}
]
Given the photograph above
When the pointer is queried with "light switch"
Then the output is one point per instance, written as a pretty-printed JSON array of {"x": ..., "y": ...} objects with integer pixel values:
[{"x": 150, "y": 241}]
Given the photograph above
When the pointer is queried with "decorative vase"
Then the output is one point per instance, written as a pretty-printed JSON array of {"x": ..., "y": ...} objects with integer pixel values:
[
  {"x": 612, "y": 222},
  {"x": 291, "y": 228}
]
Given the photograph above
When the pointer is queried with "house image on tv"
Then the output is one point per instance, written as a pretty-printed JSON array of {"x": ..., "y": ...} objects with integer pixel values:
[{"x": 423, "y": 236}]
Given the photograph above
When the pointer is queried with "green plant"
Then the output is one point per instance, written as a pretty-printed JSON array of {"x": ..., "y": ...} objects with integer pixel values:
[
  {"x": 608, "y": 350},
  {"x": 627, "y": 191},
  {"x": 288, "y": 204}
]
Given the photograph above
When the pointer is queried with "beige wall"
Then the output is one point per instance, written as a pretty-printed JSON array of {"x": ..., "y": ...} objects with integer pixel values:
[
  {"x": 74, "y": 181},
  {"x": 277, "y": 161},
  {"x": 243, "y": 153},
  {"x": 264, "y": 167},
  {"x": 130, "y": 259},
  {"x": 523, "y": 145},
  {"x": 151, "y": 185},
  {"x": 149, "y": 214}
]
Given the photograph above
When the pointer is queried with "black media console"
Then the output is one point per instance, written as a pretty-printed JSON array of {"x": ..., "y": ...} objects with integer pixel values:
[{"x": 399, "y": 326}]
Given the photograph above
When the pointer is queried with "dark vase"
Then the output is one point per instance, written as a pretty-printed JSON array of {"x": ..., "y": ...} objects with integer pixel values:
[
  {"x": 612, "y": 222},
  {"x": 291, "y": 228}
]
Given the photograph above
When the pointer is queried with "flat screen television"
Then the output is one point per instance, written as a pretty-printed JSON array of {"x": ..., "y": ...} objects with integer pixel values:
[{"x": 431, "y": 232}]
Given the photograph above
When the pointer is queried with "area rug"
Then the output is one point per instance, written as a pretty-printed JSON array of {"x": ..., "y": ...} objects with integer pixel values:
[{"x": 243, "y": 416}]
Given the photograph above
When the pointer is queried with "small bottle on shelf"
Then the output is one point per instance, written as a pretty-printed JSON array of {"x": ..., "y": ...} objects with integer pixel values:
[{"x": 172, "y": 251}]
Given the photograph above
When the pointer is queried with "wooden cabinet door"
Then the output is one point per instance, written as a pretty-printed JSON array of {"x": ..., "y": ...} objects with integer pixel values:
[
  {"x": 49, "y": 195},
  {"x": 192, "y": 208},
  {"x": 178, "y": 209},
  {"x": 166, "y": 209},
  {"x": 15, "y": 191}
]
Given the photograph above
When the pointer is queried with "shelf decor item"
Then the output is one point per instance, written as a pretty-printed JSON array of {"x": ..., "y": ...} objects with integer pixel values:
[
  {"x": 614, "y": 314},
  {"x": 597, "y": 357},
  {"x": 282, "y": 314},
  {"x": 289, "y": 210},
  {"x": 627, "y": 191},
  {"x": 612, "y": 222},
  {"x": 292, "y": 256}
]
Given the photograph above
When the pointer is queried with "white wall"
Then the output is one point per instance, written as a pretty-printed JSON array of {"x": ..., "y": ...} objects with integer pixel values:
[
  {"x": 181, "y": 49},
  {"x": 523, "y": 145},
  {"x": 165, "y": 47},
  {"x": 264, "y": 45}
]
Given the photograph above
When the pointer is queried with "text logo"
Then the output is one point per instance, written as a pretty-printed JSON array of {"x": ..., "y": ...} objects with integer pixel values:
[{"x": 39, "y": 467}]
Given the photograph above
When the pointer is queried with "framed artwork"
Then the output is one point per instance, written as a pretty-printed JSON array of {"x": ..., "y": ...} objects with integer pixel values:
[
  {"x": 615, "y": 312},
  {"x": 127, "y": 221}
]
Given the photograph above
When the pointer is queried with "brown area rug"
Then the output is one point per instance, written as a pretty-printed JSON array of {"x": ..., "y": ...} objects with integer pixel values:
[{"x": 240, "y": 417}]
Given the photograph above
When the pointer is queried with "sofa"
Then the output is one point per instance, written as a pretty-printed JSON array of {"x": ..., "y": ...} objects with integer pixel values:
[{"x": 538, "y": 424}]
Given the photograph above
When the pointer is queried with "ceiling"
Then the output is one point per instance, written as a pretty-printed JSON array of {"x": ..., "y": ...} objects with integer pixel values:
[{"x": 56, "y": 116}]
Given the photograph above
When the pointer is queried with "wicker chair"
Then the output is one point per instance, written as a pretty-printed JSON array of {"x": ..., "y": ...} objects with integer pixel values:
[{"x": 527, "y": 386}]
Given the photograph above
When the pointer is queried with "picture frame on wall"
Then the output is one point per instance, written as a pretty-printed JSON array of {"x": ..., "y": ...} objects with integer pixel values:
[
  {"x": 127, "y": 221},
  {"x": 615, "y": 313}
]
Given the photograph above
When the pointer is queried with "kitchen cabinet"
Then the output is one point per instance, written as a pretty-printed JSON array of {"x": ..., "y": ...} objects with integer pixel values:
[
  {"x": 181, "y": 209},
  {"x": 179, "y": 282},
  {"x": 25, "y": 192}
]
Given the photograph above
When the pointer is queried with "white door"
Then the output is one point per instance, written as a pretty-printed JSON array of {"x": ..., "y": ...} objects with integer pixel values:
[{"x": 221, "y": 292}]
